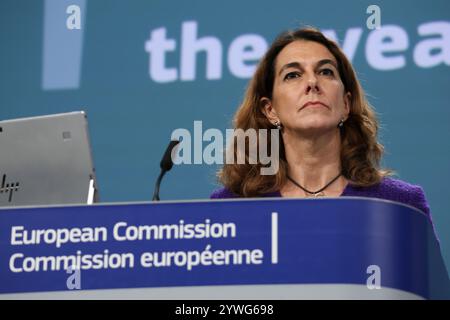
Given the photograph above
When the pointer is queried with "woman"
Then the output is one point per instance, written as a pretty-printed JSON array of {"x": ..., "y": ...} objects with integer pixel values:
[{"x": 306, "y": 87}]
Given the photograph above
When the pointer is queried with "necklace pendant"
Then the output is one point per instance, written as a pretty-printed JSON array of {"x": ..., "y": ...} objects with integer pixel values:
[{"x": 318, "y": 194}]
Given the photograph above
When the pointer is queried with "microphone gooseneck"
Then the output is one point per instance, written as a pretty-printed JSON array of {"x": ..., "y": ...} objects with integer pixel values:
[{"x": 165, "y": 164}]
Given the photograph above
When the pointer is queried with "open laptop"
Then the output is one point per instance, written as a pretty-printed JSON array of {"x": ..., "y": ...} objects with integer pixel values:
[{"x": 46, "y": 160}]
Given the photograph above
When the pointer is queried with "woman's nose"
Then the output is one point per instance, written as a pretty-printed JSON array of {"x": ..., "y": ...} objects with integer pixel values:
[{"x": 312, "y": 85}]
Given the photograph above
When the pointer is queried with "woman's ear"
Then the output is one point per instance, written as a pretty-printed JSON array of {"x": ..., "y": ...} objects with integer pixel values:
[{"x": 268, "y": 110}]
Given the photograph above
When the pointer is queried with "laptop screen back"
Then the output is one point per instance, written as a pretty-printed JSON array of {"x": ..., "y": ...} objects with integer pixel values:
[{"x": 46, "y": 160}]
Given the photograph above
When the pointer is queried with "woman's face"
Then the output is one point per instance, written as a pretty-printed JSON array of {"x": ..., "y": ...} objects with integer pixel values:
[{"x": 308, "y": 94}]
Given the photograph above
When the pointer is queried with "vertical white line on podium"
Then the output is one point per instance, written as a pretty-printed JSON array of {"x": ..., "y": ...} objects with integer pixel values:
[{"x": 274, "y": 237}]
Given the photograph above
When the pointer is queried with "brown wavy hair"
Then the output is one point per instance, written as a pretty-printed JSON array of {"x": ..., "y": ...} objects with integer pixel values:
[{"x": 360, "y": 150}]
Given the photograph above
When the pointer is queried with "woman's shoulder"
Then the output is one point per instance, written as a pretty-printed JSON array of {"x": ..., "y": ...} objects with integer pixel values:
[
  {"x": 398, "y": 190},
  {"x": 402, "y": 189},
  {"x": 223, "y": 193}
]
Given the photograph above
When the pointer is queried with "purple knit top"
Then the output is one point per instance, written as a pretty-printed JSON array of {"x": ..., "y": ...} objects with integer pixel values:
[{"x": 389, "y": 189}]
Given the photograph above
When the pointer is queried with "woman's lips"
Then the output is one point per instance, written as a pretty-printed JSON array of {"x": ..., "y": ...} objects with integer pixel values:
[{"x": 314, "y": 103}]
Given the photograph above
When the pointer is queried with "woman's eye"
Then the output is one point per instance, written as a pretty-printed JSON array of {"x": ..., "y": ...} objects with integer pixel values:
[
  {"x": 326, "y": 72},
  {"x": 291, "y": 75}
]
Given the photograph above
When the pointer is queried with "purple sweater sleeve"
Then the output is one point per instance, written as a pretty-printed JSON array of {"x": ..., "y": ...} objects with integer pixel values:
[{"x": 419, "y": 201}]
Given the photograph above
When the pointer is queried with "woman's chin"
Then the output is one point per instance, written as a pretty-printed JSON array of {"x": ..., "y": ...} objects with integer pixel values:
[{"x": 315, "y": 128}]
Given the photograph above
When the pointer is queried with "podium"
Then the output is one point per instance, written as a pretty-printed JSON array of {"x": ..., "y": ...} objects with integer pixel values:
[{"x": 332, "y": 248}]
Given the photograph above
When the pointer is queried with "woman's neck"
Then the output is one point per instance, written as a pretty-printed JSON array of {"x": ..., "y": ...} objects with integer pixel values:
[{"x": 314, "y": 161}]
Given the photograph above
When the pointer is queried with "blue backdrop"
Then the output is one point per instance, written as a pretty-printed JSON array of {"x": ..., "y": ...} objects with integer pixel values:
[{"x": 105, "y": 67}]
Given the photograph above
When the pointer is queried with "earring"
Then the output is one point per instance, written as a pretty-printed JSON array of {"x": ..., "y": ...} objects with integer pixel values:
[
  {"x": 278, "y": 124},
  {"x": 341, "y": 123}
]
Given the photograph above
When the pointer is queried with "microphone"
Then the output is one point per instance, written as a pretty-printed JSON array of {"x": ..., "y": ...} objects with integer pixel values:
[{"x": 165, "y": 164}]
